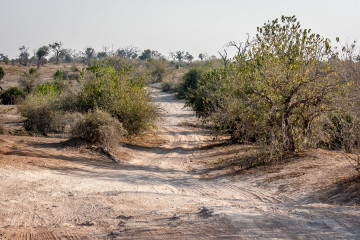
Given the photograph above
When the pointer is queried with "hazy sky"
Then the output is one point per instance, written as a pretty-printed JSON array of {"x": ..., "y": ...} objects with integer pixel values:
[{"x": 164, "y": 25}]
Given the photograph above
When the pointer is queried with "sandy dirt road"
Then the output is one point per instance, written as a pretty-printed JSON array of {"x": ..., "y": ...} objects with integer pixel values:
[{"x": 48, "y": 191}]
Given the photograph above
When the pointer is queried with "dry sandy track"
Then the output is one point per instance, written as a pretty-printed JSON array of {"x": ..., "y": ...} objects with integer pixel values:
[{"x": 51, "y": 192}]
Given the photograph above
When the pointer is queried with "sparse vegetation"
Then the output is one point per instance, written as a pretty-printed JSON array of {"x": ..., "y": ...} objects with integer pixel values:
[
  {"x": 119, "y": 93},
  {"x": 28, "y": 81},
  {"x": 286, "y": 89},
  {"x": 90, "y": 148},
  {"x": 101, "y": 92}
]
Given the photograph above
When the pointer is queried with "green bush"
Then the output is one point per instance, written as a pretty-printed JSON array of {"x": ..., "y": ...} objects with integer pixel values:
[
  {"x": 339, "y": 130},
  {"x": 274, "y": 92},
  {"x": 32, "y": 70},
  {"x": 46, "y": 89},
  {"x": 42, "y": 113},
  {"x": 58, "y": 75},
  {"x": 158, "y": 69},
  {"x": 119, "y": 97},
  {"x": 120, "y": 94},
  {"x": 190, "y": 81},
  {"x": 165, "y": 86},
  {"x": 98, "y": 127},
  {"x": 12, "y": 96},
  {"x": 2, "y": 73}
]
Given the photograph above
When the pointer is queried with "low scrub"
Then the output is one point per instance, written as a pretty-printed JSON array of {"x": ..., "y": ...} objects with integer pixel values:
[
  {"x": 102, "y": 92},
  {"x": 58, "y": 74},
  {"x": 119, "y": 93},
  {"x": 28, "y": 81},
  {"x": 165, "y": 86},
  {"x": 42, "y": 113},
  {"x": 98, "y": 127},
  {"x": 12, "y": 96},
  {"x": 189, "y": 81}
]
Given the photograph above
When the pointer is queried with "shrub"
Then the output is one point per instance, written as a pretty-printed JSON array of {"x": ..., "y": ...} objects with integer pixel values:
[
  {"x": 190, "y": 81},
  {"x": 58, "y": 75},
  {"x": 32, "y": 70},
  {"x": 46, "y": 89},
  {"x": 339, "y": 130},
  {"x": 120, "y": 94},
  {"x": 42, "y": 113},
  {"x": 12, "y": 96},
  {"x": 98, "y": 127},
  {"x": 74, "y": 68},
  {"x": 28, "y": 81},
  {"x": 68, "y": 58},
  {"x": 2, "y": 73},
  {"x": 158, "y": 68},
  {"x": 100, "y": 93},
  {"x": 274, "y": 92},
  {"x": 165, "y": 86},
  {"x": 70, "y": 76}
]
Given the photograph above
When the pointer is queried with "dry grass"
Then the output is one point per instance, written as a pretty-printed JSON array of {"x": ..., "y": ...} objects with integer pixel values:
[
  {"x": 14, "y": 72},
  {"x": 145, "y": 140}
]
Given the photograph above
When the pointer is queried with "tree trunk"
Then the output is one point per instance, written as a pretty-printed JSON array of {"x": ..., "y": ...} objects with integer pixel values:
[{"x": 287, "y": 133}]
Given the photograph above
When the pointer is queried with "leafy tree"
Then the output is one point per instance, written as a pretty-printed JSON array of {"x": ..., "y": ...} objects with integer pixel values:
[
  {"x": 24, "y": 55},
  {"x": 189, "y": 57},
  {"x": 178, "y": 55},
  {"x": 101, "y": 55},
  {"x": 294, "y": 79},
  {"x": 129, "y": 52},
  {"x": 57, "y": 48},
  {"x": 148, "y": 54},
  {"x": 202, "y": 56},
  {"x": 279, "y": 86},
  {"x": 68, "y": 58},
  {"x": 42, "y": 52},
  {"x": 4, "y": 58},
  {"x": 89, "y": 54}
]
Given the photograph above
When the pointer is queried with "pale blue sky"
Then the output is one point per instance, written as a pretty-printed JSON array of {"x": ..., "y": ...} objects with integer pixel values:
[{"x": 164, "y": 25}]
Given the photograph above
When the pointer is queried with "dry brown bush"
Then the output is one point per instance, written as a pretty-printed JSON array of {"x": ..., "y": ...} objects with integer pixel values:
[{"x": 98, "y": 127}]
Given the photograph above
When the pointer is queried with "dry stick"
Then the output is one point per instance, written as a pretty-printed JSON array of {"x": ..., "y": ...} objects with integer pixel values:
[{"x": 108, "y": 153}]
